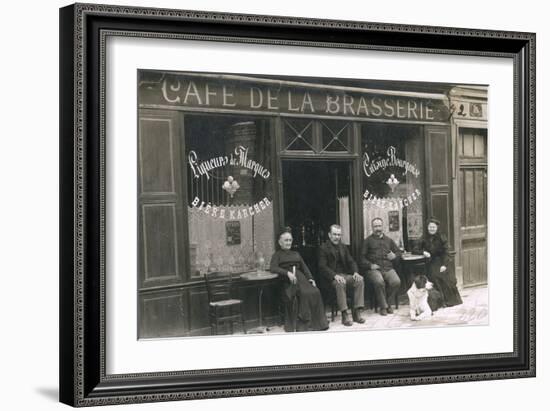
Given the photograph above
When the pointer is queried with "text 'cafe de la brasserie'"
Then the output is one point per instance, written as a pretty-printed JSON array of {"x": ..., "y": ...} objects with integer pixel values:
[
  {"x": 200, "y": 93},
  {"x": 226, "y": 160}
]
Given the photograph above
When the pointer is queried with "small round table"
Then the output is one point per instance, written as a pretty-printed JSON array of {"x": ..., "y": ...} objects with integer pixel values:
[
  {"x": 260, "y": 277},
  {"x": 411, "y": 261}
]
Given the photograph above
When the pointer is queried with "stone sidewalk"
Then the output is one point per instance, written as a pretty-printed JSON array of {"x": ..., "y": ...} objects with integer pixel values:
[{"x": 473, "y": 311}]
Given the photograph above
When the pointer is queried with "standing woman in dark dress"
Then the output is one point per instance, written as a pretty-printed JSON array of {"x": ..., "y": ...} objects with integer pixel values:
[
  {"x": 304, "y": 309},
  {"x": 435, "y": 247}
]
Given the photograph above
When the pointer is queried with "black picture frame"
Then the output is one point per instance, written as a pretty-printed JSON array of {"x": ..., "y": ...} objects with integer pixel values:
[{"x": 83, "y": 381}]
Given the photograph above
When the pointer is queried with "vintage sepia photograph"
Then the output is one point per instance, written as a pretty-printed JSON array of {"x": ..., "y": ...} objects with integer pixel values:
[
  {"x": 277, "y": 204},
  {"x": 267, "y": 204}
]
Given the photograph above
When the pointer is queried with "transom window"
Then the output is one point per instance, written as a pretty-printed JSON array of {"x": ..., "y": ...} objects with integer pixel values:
[
  {"x": 336, "y": 136},
  {"x": 298, "y": 135},
  {"x": 317, "y": 136}
]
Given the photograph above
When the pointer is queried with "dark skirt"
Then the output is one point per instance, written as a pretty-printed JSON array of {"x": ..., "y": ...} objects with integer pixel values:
[
  {"x": 445, "y": 283},
  {"x": 304, "y": 309},
  {"x": 435, "y": 299}
]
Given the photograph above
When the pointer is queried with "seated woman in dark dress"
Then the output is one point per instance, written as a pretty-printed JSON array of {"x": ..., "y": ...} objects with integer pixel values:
[
  {"x": 304, "y": 309},
  {"x": 434, "y": 246}
]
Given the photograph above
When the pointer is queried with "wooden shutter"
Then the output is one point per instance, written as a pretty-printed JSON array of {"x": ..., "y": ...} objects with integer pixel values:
[
  {"x": 438, "y": 181},
  {"x": 162, "y": 257}
]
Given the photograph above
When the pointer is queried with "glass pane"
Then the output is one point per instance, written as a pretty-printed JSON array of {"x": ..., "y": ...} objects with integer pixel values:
[
  {"x": 229, "y": 187},
  {"x": 468, "y": 144},
  {"x": 298, "y": 135},
  {"x": 336, "y": 136},
  {"x": 393, "y": 181},
  {"x": 479, "y": 145},
  {"x": 473, "y": 143}
]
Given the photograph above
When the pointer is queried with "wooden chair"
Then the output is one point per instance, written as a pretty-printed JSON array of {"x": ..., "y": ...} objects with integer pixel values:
[
  {"x": 222, "y": 308},
  {"x": 329, "y": 298}
]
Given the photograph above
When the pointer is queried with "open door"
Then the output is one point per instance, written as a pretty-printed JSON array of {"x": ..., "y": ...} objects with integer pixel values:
[{"x": 316, "y": 194}]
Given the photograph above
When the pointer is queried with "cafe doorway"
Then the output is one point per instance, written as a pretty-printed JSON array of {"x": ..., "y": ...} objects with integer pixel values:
[{"x": 316, "y": 194}]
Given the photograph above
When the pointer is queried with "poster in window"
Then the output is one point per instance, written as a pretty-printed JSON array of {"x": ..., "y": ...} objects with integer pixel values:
[{"x": 233, "y": 232}]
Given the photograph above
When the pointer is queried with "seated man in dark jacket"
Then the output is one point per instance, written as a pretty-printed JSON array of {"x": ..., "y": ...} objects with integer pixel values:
[
  {"x": 377, "y": 256},
  {"x": 338, "y": 268}
]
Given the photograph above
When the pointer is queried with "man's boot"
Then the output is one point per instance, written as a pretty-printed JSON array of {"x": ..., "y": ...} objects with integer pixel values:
[
  {"x": 357, "y": 316},
  {"x": 345, "y": 318}
]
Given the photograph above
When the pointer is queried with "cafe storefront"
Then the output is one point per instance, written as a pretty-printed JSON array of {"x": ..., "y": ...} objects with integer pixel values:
[{"x": 225, "y": 161}]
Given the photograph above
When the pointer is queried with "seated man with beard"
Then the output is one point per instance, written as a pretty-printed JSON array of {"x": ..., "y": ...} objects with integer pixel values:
[{"x": 377, "y": 256}]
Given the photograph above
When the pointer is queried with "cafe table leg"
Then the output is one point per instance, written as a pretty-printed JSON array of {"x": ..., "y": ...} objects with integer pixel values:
[
  {"x": 260, "y": 282},
  {"x": 260, "y": 329},
  {"x": 260, "y": 294}
]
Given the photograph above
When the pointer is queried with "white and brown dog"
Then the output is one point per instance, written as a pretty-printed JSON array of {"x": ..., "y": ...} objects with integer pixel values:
[{"x": 418, "y": 298}]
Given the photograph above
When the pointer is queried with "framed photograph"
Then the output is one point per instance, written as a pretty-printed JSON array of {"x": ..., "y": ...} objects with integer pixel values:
[{"x": 261, "y": 204}]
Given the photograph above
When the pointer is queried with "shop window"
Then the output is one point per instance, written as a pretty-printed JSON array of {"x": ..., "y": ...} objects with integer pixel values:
[
  {"x": 393, "y": 181},
  {"x": 229, "y": 191}
]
